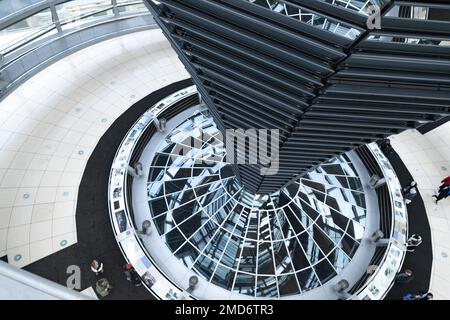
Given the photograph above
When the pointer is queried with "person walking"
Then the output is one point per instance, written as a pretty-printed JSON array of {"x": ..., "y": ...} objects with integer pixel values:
[
  {"x": 444, "y": 183},
  {"x": 405, "y": 277},
  {"x": 424, "y": 296},
  {"x": 418, "y": 296},
  {"x": 97, "y": 267},
  {"x": 443, "y": 193}
]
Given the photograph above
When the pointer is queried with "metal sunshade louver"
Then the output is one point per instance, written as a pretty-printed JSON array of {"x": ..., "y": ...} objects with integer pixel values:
[{"x": 313, "y": 70}]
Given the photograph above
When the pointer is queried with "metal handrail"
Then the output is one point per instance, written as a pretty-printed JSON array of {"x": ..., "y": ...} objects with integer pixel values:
[
  {"x": 121, "y": 161},
  {"x": 68, "y": 20},
  {"x": 381, "y": 260},
  {"x": 27, "y": 40},
  {"x": 27, "y": 13},
  {"x": 69, "y": 32},
  {"x": 394, "y": 188},
  {"x": 38, "y": 47},
  {"x": 33, "y": 283}
]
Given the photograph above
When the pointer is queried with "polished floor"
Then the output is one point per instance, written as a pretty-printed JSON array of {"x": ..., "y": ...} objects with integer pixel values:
[
  {"x": 95, "y": 235},
  {"x": 51, "y": 124},
  {"x": 427, "y": 158}
]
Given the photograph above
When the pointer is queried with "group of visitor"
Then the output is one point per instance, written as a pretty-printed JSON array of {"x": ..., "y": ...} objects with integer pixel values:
[{"x": 103, "y": 287}]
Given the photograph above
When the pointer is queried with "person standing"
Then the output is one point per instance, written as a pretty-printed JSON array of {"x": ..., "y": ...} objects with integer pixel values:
[
  {"x": 97, "y": 267},
  {"x": 131, "y": 274},
  {"x": 103, "y": 287},
  {"x": 386, "y": 146},
  {"x": 413, "y": 242},
  {"x": 443, "y": 193},
  {"x": 135, "y": 279},
  {"x": 408, "y": 188},
  {"x": 127, "y": 270},
  {"x": 404, "y": 277},
  {"x": 410, "y": 195}
]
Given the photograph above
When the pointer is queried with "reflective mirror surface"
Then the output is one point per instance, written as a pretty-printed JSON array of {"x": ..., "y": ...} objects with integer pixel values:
[{"x": 273, "y": 245}]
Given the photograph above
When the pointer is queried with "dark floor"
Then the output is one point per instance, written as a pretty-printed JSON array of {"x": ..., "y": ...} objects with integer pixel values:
[
  {"x": 96, "y": 240},
  {"x": 420, "y": 261},
  {"x": 95, "y": 237}
]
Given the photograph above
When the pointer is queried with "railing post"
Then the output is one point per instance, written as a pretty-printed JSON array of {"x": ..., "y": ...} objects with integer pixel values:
[
  {"x": 3, "y": 82},
  {"x": 375, "y": 181},
  {"x": 193, "y": 281},
  {"x": 55, "y": 18},
  {"x": 378, "y": 240},
  {"x": 115, "y": 8},
  {"x": 146, "y": 228},
  {"x": 160, "y": 124},
  {"x": 36, "y": 287},
  {"x": 135, "y": 171},
  {"x": 340, "y": 287}
]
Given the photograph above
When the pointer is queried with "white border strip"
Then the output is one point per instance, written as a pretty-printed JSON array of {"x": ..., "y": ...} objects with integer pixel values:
[
  {"x": 123, "y": 226},
  {"x": 382, "y": 280}
]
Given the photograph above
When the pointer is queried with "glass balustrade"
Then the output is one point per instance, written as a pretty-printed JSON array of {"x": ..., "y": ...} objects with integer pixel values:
[{"x": 64, "y": 17}]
